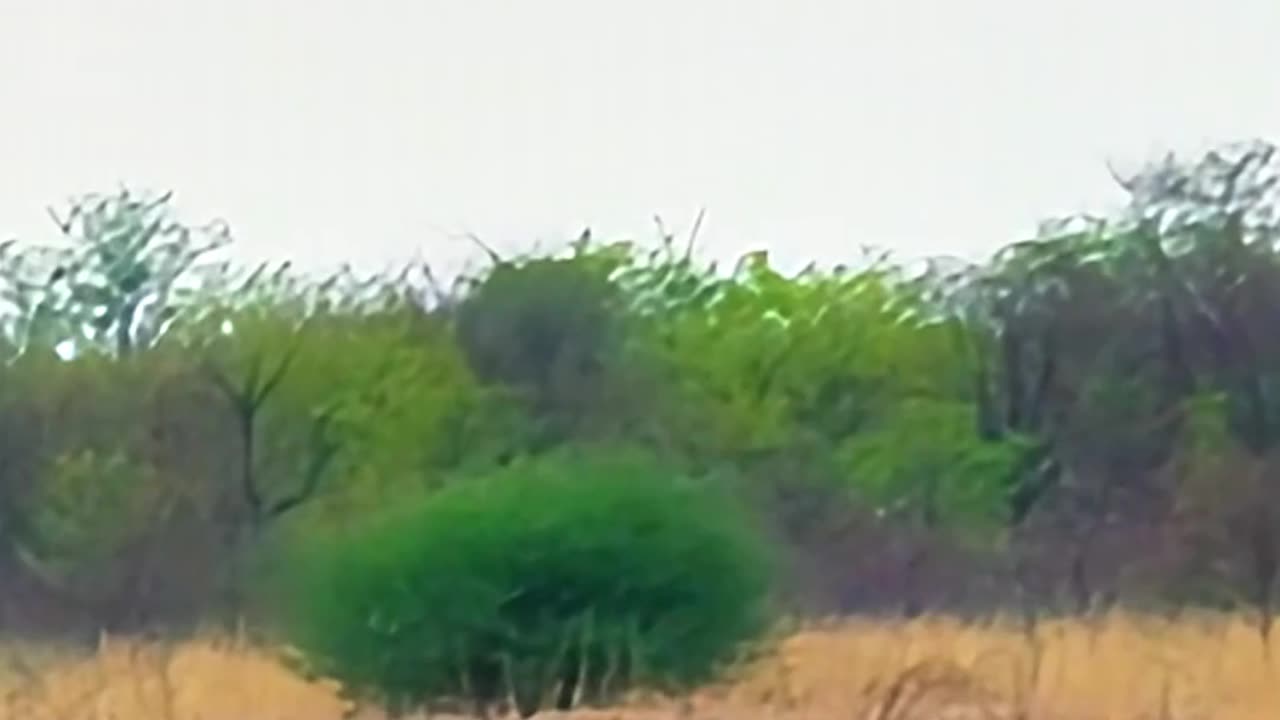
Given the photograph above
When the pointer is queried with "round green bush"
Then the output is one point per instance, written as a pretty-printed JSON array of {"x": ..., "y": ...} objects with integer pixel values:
[{"x": 565, "y": 578}]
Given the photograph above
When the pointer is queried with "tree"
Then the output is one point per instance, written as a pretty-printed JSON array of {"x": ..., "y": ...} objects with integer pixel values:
[
  {"x": 767, "y": 357},
  {"x": 112, "y": 498},
  {"x": 126, "y": 272},
  {"x": 1228, "y": 512},
  {"x": 562, "y": 580},
  {"x": 1212, "y": 231},
  {"x": 1213, "y": 227},
  {"x": 329, "y": 379},
  {"x": 550, "y": 330}
]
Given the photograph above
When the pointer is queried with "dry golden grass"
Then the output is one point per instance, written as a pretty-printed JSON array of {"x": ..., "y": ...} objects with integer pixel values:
[
  {"x": 1122, "y": 667},
  {"x": 207, "y": 680}
]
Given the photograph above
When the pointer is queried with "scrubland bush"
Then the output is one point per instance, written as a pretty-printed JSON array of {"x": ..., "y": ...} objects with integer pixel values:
[{"x": 568, "y": 577}]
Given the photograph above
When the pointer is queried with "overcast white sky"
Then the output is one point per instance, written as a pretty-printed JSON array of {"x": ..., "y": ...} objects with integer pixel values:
[{"x": 373, "y": 130}]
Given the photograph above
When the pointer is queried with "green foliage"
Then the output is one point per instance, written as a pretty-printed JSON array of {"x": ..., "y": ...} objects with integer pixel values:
[
  {"x": 128, "y": 270},
  {"x": 761, "y": 362},
  {"x": 925, "y": 461},
  {"x": 736, "y": 346},
  {"x": 86, "y": 508},
  {"x": 590, "y": 567},
  {"x": 393, "y": 400},
  {"x": 85, "y": 512},
  {"x": 1208, "y": 430},
  {"x": 110, "y": 503},
  {"x": 346, "y": 395},
  {"x": 547, "y": 328},
  {"x": 1106, "y": 374}
]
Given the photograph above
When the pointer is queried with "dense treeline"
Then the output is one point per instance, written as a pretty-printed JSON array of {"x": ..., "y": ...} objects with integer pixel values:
[{"x": 1090, "y": 416}]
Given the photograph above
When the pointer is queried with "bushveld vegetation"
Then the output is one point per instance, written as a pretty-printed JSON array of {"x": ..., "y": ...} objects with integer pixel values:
[{"x": 622, "y": 458}]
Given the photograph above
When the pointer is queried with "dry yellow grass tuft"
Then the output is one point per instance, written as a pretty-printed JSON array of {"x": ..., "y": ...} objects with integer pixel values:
[
  {"x": 1121, "y": 667},
  {"x": 1118, "y": 667},
  {"x": 199, "y": 680}
]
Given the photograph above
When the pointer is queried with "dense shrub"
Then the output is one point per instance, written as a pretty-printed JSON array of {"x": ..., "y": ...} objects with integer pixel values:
[
  {"x": 547, "y": 329},
  {"x": 572, "y": 575},
  {"x": 113, "y": 477}
]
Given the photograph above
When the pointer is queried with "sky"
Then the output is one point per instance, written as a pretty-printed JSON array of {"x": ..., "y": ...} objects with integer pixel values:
[{"x": 380, "y": 131}]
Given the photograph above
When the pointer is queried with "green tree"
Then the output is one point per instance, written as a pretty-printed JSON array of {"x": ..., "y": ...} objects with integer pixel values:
[
  {"x": 125, "y": 272},
  {"x": 111, "y": 502},
  {"x": 551, "y": 331},
  {"x": 567, "y": 578},
  {"x": 331, "y": 379}
]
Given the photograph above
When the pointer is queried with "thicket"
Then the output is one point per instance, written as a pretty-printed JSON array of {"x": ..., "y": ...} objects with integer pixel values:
[
  {"x": 560, "y": 580},
  {"x": 1088, "y": 416}
]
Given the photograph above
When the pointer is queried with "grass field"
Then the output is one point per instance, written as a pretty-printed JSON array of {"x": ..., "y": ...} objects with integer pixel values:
[{"x": 1120, "y": 667}]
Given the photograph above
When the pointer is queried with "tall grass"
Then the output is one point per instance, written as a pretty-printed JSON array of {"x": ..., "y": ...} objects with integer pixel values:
[{"x": 1118, "y": 667}]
